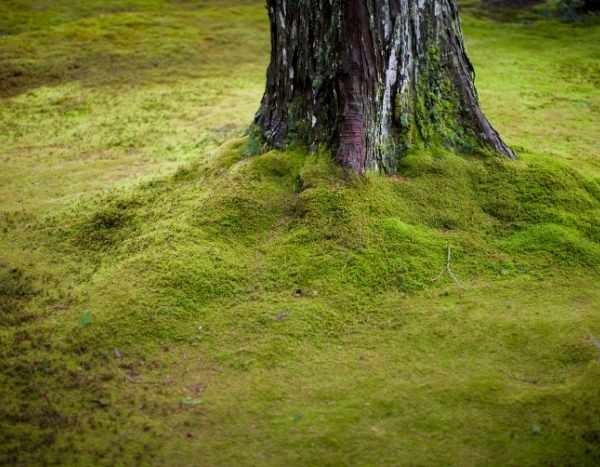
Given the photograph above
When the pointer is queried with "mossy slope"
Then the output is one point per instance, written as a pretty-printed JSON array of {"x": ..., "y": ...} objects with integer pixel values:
[{"x": 270, "y": 269}]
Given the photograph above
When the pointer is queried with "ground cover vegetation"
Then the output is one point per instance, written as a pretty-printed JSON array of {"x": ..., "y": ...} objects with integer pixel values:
[{"x": 172, "y": 295}]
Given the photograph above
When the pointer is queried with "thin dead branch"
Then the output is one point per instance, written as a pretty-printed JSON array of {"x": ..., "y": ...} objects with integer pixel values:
[{"x": 447, "y": 269}]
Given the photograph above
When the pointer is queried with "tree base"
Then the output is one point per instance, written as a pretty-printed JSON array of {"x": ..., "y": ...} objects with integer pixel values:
[{"x": 378, "y": 77}]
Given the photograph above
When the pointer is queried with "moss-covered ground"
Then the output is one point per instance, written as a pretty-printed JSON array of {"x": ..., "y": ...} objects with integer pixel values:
[{"x": 166, "y": 299}]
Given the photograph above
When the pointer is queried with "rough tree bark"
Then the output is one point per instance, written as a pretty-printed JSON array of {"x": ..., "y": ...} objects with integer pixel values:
[{"x": 369, "y": 79}]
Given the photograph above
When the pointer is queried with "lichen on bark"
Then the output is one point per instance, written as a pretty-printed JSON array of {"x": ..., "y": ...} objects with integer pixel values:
[{"x": 369, "y": 79}]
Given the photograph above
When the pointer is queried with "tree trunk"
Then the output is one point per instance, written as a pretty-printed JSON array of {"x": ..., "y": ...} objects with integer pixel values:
[{"x": 369, "y": 79}]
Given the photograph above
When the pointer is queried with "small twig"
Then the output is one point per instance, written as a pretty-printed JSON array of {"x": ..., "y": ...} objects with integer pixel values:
[{"x": 447, "y": 269}]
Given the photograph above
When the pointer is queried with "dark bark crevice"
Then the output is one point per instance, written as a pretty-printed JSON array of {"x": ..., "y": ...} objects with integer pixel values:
[{"x": 369, "y": 79}]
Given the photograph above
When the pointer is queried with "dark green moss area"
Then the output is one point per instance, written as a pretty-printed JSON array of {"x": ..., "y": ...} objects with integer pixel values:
[{"x": 15, "y": 289}]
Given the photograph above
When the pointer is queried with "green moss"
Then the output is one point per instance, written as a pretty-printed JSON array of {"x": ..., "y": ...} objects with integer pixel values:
[
  {"x": 433, "y": 116},
  {"x": 231, "y": 258},
  {"x": 558, "y": 243},
  {"x": 272, "y": 309},
  {"x": 107, "y": 225},
  {"x": 15, "y": 290}
]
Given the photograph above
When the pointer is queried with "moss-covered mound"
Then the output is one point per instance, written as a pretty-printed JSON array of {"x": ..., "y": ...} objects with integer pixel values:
[{"x": 267, "y": 269}]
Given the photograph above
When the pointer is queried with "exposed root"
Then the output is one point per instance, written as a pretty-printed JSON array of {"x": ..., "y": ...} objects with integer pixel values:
[{"x": 447, "y": 269}]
